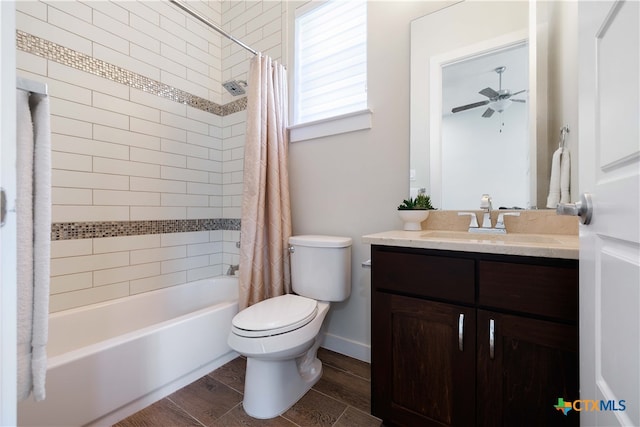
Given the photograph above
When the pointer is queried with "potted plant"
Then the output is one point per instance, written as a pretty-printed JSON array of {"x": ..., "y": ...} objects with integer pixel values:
[{"x": 414, "y": 211}]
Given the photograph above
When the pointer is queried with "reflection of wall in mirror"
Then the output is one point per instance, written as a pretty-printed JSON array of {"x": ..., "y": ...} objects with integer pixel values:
[
  {"x": 495, "y": 148},
  {"x": 560, "y": 21}
]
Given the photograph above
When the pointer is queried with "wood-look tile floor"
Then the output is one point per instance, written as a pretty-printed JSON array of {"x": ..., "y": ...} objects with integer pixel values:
[{"x": 341, "y": 398}]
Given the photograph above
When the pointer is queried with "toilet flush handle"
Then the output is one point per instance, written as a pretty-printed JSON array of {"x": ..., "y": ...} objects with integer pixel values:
[{"x": 291, "y": 249}]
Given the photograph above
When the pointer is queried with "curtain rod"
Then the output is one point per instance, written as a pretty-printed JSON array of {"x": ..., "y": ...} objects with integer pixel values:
[
  {"x": 210, "y": 24},
  {"x": 32, "y": 86}
]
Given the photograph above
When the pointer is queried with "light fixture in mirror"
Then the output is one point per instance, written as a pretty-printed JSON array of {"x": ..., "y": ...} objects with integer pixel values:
[{"x": 452, "y": 36}]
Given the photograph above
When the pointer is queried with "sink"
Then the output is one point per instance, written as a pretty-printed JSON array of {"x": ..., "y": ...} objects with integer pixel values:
[{"x": 490, "y": 238}]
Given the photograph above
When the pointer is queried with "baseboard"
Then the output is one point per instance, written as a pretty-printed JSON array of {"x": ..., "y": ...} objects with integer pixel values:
[{"x": 355, "y": 349}]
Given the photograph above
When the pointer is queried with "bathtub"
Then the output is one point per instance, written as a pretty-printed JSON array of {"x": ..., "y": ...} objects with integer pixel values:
[{"x": 107, "y": 361}]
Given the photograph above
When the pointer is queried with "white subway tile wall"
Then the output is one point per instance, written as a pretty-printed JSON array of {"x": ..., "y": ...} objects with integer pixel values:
[
  {"x": 259, "y": 24},
  {"x": 142, "y": 132}
]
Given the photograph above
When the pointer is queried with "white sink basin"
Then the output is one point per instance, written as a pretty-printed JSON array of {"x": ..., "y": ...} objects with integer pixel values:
[{"x": 489, "y": 238}]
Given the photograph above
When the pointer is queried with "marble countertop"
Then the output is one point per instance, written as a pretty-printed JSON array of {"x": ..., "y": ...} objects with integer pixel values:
[{"x": 537, "y": 245}]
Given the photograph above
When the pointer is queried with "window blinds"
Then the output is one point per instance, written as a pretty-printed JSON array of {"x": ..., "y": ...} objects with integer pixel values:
[{"x": 330, "y": 61}]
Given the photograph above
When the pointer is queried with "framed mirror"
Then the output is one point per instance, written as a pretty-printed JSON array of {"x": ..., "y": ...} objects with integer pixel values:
[
  {"x": 481, "y": 142},
  {"x": 457, "y": 157}
]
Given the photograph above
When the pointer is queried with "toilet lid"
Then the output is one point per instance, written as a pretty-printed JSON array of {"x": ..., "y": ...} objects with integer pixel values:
[{"x": 275, "y": 316}]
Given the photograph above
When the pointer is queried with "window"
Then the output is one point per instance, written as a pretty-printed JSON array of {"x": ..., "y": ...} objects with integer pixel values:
[{"x": 330, "y": 77}]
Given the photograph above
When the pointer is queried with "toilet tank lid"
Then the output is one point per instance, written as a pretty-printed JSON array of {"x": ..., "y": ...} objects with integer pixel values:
[{"x": 317, "y": 241}]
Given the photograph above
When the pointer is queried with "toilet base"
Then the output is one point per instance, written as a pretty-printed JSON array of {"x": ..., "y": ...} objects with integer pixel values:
[{"x": 273, "y": 386}]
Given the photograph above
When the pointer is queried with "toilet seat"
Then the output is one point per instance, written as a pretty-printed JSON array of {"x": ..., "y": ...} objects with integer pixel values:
[{"x": 274, "y": 316}]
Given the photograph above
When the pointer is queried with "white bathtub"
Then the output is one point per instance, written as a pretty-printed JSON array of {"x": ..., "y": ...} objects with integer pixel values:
[{"x": 109, "y": 360}]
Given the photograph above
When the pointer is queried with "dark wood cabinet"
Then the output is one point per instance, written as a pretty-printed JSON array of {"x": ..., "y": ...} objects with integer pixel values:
[
  {"x": 464, "y": 339},
  {"x": 426, "y": 375},
  {"x": 533, "y": 363}
]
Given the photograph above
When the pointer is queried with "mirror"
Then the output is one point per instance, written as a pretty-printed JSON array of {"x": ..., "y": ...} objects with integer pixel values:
[
  {"x": 459, "y": 156},
  {"x": 484, "y": 119}
]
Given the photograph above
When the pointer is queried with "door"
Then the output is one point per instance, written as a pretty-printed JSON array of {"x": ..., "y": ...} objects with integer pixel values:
[
  {"x": 524, "y": 365},
  {"x": 609, "y": 144},
  {"x": 8, "y": 231},
  {"x": 423, "y": 362}
]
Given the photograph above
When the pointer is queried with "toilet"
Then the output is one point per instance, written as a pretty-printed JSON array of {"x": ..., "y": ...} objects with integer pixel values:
[{"x": 280, "y": 336}]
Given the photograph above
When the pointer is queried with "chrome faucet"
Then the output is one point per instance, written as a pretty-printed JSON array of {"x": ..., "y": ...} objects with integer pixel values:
[
  {"x": 485, "y": 205},
  {"x": 473, "y": 224},
  {"x": 500, "y": 221},
  {"x": 232, "y": 269}
]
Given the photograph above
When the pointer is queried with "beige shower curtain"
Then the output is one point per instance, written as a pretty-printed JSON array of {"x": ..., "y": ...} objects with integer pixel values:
[{"x": 266, "y": 212}]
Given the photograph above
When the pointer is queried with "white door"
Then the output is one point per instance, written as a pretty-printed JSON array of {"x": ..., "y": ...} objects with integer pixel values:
[
  {"x": 609, "y": 146},
  {"x": 8, "y": 231}
]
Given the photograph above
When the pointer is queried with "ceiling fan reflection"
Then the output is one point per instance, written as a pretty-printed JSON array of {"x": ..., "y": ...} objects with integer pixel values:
[{"x": 498, "y": 100}]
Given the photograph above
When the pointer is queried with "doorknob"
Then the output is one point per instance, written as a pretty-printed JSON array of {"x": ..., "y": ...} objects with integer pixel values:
[{"x": 583, "y": 209}]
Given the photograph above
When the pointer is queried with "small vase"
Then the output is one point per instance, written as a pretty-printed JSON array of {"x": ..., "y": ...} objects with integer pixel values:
[{"x": 412, "y": 218}]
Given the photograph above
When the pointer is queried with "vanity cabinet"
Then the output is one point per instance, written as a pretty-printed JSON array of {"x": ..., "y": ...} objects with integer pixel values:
[{"x": 464, "y": 339}]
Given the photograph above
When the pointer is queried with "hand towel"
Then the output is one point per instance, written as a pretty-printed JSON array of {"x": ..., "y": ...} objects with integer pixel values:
[
  {"x": 565, "y": 176},
  {"x": 554, "y": 181},
  {"x": 24, "y": 255},
  {"x": 33, "y": 208}
]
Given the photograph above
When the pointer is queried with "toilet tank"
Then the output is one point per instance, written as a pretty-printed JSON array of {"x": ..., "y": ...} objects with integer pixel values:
[{"x": 321, "y": 267}]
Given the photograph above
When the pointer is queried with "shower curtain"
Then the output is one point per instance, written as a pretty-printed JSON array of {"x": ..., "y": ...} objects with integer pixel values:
[
  {"x": 33, "y": 214},
  {"x": 266, "y": 212}
]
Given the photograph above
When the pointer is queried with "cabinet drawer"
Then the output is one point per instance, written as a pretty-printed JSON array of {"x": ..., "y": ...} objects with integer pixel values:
[
  {"x": 429, "y": 276},
  {"x": 535, "y": 289}
]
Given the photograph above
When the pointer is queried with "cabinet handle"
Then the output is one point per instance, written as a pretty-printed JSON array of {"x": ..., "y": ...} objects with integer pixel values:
[
  {"x": 461, "y": 332},
  {"x": 492, "y": 338}
]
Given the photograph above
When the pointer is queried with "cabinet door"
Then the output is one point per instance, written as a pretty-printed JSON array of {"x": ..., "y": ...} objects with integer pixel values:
[
  {"x": 423, "y": 362},
  {"x": 533, "y": 364}
]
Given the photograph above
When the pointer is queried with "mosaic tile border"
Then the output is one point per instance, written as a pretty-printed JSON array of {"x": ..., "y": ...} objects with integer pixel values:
[
  {"x": 80, "y": 61},
  {"x": 91, "y": 230}
]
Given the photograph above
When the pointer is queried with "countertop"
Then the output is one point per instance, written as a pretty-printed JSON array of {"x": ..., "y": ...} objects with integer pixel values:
[{"x": 536, "y": 245}]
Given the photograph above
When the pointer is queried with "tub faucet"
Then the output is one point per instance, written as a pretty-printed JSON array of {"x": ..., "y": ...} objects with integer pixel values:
[{"x": 232, "y": 269}]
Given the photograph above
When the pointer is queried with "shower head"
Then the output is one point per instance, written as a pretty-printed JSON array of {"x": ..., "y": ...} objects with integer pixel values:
[{"x": 235, "y": 87}]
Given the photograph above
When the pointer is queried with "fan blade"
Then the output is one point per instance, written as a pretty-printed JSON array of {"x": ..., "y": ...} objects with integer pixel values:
[
  {"x": 518, "y": 100},
  {"x": 488, "y": 112},
  {"x": 488, "y": 92},
  {"x": 514, "y": 94},
  {"x": 469, "y": 106}
]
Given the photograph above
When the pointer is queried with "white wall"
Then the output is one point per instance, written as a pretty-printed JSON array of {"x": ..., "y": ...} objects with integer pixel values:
[
  {"x": 561, "y": 19},
  {"x": 261, "y": 25},
  {"x": 485, "y": 155},
  {"x": 122, "y": 151},
  {"x": 351, "y": 184}
]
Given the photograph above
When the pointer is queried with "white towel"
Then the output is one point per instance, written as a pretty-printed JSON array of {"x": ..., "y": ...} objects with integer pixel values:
[
  {"x": 33, "y": 211},
  {"x": 565, "y": 176},
  {"x": 554, "y": 181}
]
